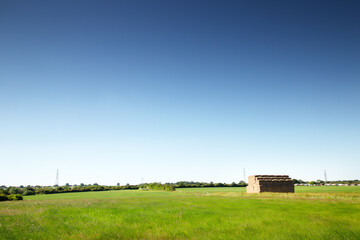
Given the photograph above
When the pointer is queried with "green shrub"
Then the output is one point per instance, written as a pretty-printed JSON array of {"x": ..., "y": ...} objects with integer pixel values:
[
  {"x": 15, "y": 190},
  {"x": 3, "y": 197},
  {"x": 14, "y": 197},
  {"x": 29, "y": 192},
  {"x": 161, "y": 187}
]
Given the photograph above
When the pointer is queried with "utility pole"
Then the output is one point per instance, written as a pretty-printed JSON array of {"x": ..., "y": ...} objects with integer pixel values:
[
  {"x": 244, "y": 175},
  {"x": 325, "y": 176},
  {"x": 57, "y": 177}
]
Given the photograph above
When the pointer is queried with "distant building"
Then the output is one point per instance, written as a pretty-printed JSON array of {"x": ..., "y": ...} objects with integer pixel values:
[{"x": 269, "y": 183}]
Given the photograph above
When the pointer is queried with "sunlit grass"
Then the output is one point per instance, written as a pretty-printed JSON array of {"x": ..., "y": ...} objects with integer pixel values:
[
  {"x": 304, "y": 192},
  {"x": 323, "y": 189},
  {"x": 204, "y": 213}
]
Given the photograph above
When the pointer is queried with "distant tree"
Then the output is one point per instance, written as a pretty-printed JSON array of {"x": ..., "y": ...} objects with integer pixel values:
[
  {"x": 29, "y": 191},
  {"x": 118, "y": 184},
  {"x": 320, "y": 181},
  {"x": 242, "y": 184},
  {"x": 295, "y": 181},
  {"x": 67, "y": 184},
  {"x": 15, "y": 190}
]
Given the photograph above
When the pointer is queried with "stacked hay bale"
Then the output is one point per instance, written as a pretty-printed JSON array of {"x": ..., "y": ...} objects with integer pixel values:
[{"x": 270, "y": 183}]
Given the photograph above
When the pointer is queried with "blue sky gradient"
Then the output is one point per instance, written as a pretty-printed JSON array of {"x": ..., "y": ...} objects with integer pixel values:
[{"x": 117, "y": 91}]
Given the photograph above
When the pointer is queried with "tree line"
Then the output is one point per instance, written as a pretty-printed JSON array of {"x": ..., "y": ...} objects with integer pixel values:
[
  {"x": 67, "y": 188},
  {"x": 16, "y": 193},
  {"x": 322, "y": 182},
  {"x": 186, "y": 184}
]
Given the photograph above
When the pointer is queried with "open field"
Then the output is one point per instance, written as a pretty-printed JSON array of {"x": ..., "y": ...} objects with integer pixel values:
[
  {"x": 298, "y": 189},
  {"x": 202, "y": 213}
]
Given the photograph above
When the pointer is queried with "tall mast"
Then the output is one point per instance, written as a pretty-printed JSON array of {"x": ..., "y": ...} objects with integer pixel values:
[
  {"x": 244, "y": 175},
  {"x": 325, "y": 176},
  {"x": 57, "y": 177}
]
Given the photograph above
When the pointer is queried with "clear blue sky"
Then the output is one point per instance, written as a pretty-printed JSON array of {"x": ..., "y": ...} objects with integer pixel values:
[{"x": 117, "y": 91}]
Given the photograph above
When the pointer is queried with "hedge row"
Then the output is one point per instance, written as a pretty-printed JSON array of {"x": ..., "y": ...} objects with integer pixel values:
[
  {"x": 11, "y": 197},
  {"x": 160, "y": 187}
]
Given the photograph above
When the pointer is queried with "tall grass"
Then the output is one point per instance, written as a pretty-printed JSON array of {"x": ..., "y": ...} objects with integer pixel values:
[{"x": 189, "y": 214}]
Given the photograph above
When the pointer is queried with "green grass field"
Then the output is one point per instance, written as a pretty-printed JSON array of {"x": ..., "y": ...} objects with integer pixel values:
[{"x": 201, "y": 213}]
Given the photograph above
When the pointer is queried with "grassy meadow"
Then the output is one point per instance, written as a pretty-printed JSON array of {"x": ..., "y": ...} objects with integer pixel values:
[{"x": 196, "y": 213}]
